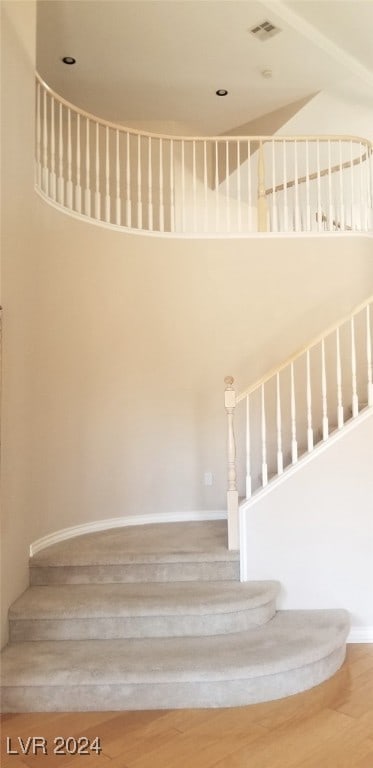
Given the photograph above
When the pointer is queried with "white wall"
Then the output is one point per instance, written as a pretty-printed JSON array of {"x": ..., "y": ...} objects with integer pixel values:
[
  {"x": 314, "y": 533},
  {"x": 331, "y": 113}
]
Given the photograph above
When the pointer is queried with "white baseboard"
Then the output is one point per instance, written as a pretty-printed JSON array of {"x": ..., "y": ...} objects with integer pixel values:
[
  {"x": 360, "y": 635},
  {"x": 121, "y": 522}
]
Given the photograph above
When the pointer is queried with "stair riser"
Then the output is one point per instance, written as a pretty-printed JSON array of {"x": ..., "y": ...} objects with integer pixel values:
[
  {"x": 152, "y": 626},
  {"x": 175, "y": 695},
  {"x": 135, "y": 573}
]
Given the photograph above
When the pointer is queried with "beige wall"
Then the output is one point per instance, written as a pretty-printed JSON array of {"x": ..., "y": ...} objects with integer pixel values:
[
  {"x": 116, "y": 347},
  {"x": 17, "y": 249}
]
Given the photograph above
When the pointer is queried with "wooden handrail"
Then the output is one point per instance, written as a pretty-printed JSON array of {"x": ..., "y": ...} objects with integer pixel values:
[
  {"x": 318, "y": 174},
  {"x": 304, "y": 349}
]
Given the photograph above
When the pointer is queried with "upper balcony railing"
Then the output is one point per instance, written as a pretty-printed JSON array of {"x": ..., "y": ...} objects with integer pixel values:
[{"x": 225, "y": 185}]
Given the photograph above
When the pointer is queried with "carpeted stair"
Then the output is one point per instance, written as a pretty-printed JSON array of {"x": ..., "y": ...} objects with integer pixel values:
[{"x": 153, "y": 617}]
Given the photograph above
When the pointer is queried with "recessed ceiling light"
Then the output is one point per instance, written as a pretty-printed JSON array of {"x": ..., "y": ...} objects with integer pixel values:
[
  {"x": 69, "y": 60},
  {"x": 221, "y": 92}
]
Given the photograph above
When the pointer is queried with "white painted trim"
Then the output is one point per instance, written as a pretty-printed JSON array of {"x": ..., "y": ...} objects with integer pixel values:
[
  {"x": 334, "y": 437},
  {"x": 242, "y": 533},
  {"x": 197, "y": 235},
  {"x": 122, "y": 522},
  {"x": 360, "y": 635}
]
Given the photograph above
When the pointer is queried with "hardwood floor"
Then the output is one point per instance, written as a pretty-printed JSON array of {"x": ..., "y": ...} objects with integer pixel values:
[{"x": 330, "y": 726}]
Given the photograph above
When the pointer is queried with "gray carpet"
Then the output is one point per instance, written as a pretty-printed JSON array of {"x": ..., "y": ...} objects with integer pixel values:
[
  {"x": 106, "y": 611},
  {"x": 143, "y": 618}
]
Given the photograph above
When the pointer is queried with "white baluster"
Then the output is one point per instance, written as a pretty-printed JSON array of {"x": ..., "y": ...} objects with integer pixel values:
[
  {"x": 232, "y": 494},
  {"x": 239, "y": 210},
  {"x": 340, "y": 412},
  {"x": 309, "y": 404},
  {"x": 128, "y": 183},
  {"x": 325, "y": 421},
  {"x": 139, "y": 195},
  {"x": 285, "y": 175},
  {"x": 78, "y": 188},
  {"x": 161, "y": 203},
  {"x": 370, "y": 184},
  {"x": 294, "y": 444},
  {"x": 366, "y": 187},
  {"x": 249, "y": 184},
  {"x": 194, "y": 186},
  {"x": 341, "y": 192},
  {"x": 228, "y": 207},
  {"x": 319, "y": 215},
  {"x": 362, "y": 195},
  {"x": 97, "y": 193},
  {"x": 45, "y": 145},
  {"x": 274, "y": 201},
  {"x": 69, "y": 184},
  {"x": 205, "y": 186},
  {"x": 216, "y": 188},
  {"x": 308, "y": 204},
  {"x": 261, "y": 201},
  {"x": 355, "y": 399},
  {"x": 118, "y": 207},
  {"x": 150, "y": 185},
  {"x": 296, "y": 189},
  {"x": 248, "y": 450},
  {"x": 369, "y": 358},
  {"x": 61, "y": 181},
  {"x": 264, "y": 440},
  {"x": 353, "y": 214},
  {"x": 87, "y": 192},
  {"x": 183, "y": 185},
  {"x": 107, "y": 176},
  {"x": 330, "y": 197},
  {"x": 172, "y": 187},
  {"x": 280, "y": 459},
  {"x": 53, "y": 177},
  {"x": 38, "y": 136}
]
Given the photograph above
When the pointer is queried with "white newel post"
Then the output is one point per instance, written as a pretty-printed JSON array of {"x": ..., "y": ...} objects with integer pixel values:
[{"x": 232, "y": 494}]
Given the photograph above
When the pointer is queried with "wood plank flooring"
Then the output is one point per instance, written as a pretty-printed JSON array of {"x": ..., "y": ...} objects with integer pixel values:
[{"x": 330, "y": 726}]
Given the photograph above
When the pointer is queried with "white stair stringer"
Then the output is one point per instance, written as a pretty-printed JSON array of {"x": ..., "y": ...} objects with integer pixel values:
[{"x": 246, "y": 505}]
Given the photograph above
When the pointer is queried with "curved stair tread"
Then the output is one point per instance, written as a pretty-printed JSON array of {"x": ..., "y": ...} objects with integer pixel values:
[
  {"x": 204, "y": 541},
  {"x": 290, "y": 641},
  {"x": 141, "y": 599}
]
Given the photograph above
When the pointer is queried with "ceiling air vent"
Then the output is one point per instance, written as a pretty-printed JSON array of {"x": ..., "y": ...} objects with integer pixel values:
[{"x": 264, "y": 31}]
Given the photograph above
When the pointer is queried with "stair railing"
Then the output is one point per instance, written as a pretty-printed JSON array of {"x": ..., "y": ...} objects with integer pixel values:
[
  {"x": 224, "y": 185},
  {"x": 297, "y": 406}
]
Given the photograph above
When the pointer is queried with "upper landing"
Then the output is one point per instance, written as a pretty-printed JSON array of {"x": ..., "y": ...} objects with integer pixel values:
[{"x": 223, "y": 186}]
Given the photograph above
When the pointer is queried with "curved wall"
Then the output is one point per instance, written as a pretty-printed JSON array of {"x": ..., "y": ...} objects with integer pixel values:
[{"x": 129, "y": 342}]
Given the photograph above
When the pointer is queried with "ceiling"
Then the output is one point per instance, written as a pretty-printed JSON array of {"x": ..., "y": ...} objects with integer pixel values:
[{"x": 156, "y": 64}]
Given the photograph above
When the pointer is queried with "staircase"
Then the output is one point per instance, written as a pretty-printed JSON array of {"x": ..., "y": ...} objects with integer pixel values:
[
  {"x": 281, "y": 421},
  {"x": 154, "y": 617}
]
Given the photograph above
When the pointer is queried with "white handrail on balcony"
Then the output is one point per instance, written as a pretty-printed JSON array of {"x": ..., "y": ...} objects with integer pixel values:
[
  {"x": 298, "y": 405},
  {"x": 229, "y": 185}
]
